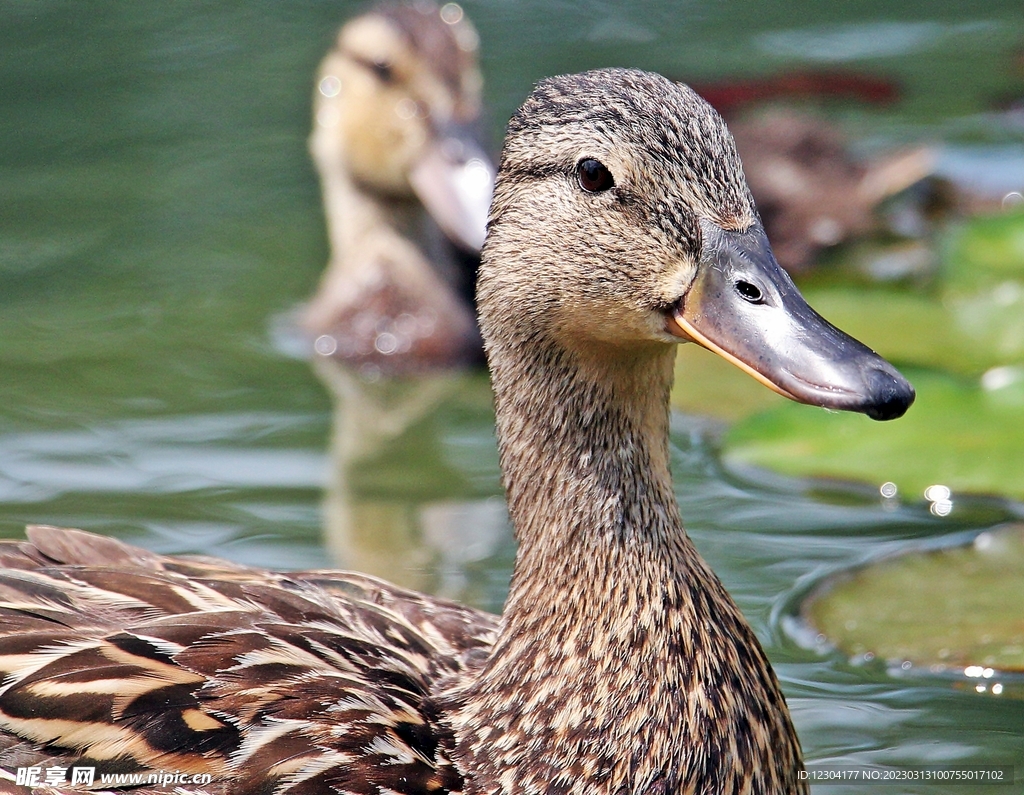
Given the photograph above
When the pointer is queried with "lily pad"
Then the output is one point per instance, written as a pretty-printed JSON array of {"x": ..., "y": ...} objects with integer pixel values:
[
  {"x": 951, "y": 608},
  {"x": 964, "y": 435},
  {"x": 972, "y": 322},
  {"x": 983, "y": 253},
  {"x": 908, "y": 328},
  {"x": 708, "y": 385}
]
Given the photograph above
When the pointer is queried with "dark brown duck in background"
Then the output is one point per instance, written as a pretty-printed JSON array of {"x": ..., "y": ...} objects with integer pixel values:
[
  {"x": 406, "y": 186},
  {"x": 811, "y": 190},
  {"x": 621, "y": 226}
]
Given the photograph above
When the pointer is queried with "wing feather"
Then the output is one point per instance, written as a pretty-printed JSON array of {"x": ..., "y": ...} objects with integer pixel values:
[{"x": 306, "y": 682}]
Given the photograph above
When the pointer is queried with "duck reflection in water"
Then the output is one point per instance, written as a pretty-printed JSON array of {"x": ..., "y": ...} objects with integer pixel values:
[{"x": 406, "y": 188}]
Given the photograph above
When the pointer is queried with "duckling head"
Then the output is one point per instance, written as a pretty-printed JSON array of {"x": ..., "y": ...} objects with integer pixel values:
[
  {"x": 396, "y": 105},
  {"x": 622, "y": 222}
]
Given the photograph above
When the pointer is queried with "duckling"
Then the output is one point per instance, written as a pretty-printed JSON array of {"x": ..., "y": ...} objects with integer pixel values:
[
  {"x": 621, "y": 226},
  {"x": 403, "y": 176}
]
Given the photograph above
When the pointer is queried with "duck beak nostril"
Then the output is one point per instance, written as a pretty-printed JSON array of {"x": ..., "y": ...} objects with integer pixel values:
[{"x": 744, "y": 307}]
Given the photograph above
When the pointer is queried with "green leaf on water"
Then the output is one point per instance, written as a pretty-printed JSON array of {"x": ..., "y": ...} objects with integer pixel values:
[
  {"x": 950, "y": 608},
  {"x": 972, "y": 322},
  {"x": 959, "y": 434}
]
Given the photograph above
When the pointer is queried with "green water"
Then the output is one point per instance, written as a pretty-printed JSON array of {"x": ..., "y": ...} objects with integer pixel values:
[{"x": 159, "y": 218}]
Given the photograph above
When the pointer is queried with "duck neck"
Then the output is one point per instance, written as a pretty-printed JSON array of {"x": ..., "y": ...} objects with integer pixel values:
[
  {"x": 620, "y": 655},
  {"x": 375, "y": 238},
  {"x": 355, "y": 214},
  {"x": 583, "y": 437}
]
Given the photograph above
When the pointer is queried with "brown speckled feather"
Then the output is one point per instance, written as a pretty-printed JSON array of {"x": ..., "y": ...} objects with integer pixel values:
[{"x": 311, "y": 682}]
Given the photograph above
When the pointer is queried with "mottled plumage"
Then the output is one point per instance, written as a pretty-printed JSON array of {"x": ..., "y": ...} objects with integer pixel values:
[
  {"x": 310, "y": 682},
  {"x": 620, "y": 665}
]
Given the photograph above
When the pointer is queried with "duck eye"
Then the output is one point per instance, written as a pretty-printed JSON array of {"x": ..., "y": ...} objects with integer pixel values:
[
  {"x": 594, "y": 177},
  {"x": 750, "y": 292},
  {"x": 382, "y": 71}
]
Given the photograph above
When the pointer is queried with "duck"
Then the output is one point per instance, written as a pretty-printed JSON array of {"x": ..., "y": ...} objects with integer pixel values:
[
  {"x": 406, "y": 185},
  {"x": 813, "y": 193},
  {"x": 812, "y": 190},
  {"x": 621, "y": 227}
]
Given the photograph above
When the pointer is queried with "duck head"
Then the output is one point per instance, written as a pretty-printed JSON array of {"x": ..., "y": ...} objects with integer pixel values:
[
  {"x": 642, "y": 233},
  {"x": 396, "y": 106}
]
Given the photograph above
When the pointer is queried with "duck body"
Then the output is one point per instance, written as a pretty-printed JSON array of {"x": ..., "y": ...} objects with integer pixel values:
[
  {"x": 335, "y": 682},
  {"x": 621, "y": 226},
  {"x": 405, "y": 186},
  {"x": 310, "y": 682}
]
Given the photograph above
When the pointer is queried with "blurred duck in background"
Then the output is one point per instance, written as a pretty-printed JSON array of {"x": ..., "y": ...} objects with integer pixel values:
[
  {"x": 406, "y": 189},
  {"x": 812, "y": 190}
]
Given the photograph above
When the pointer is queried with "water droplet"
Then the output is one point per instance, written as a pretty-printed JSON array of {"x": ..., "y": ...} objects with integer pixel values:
[
  {"x": 328, "y": 117},
  {"x": 406, "y": 325},
  {"x": 405, "y": 108},
  {"x": 325, "y": 345},
  {"x": 330, "y": 86},
  {"x": 451, "y": 13},
  {"x": 386, "y": 343}
]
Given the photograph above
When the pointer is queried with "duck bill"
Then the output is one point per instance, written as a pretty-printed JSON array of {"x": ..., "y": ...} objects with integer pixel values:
[
  {"x": 454, "y": 179},
  {"x": 745, "y": 308}
]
